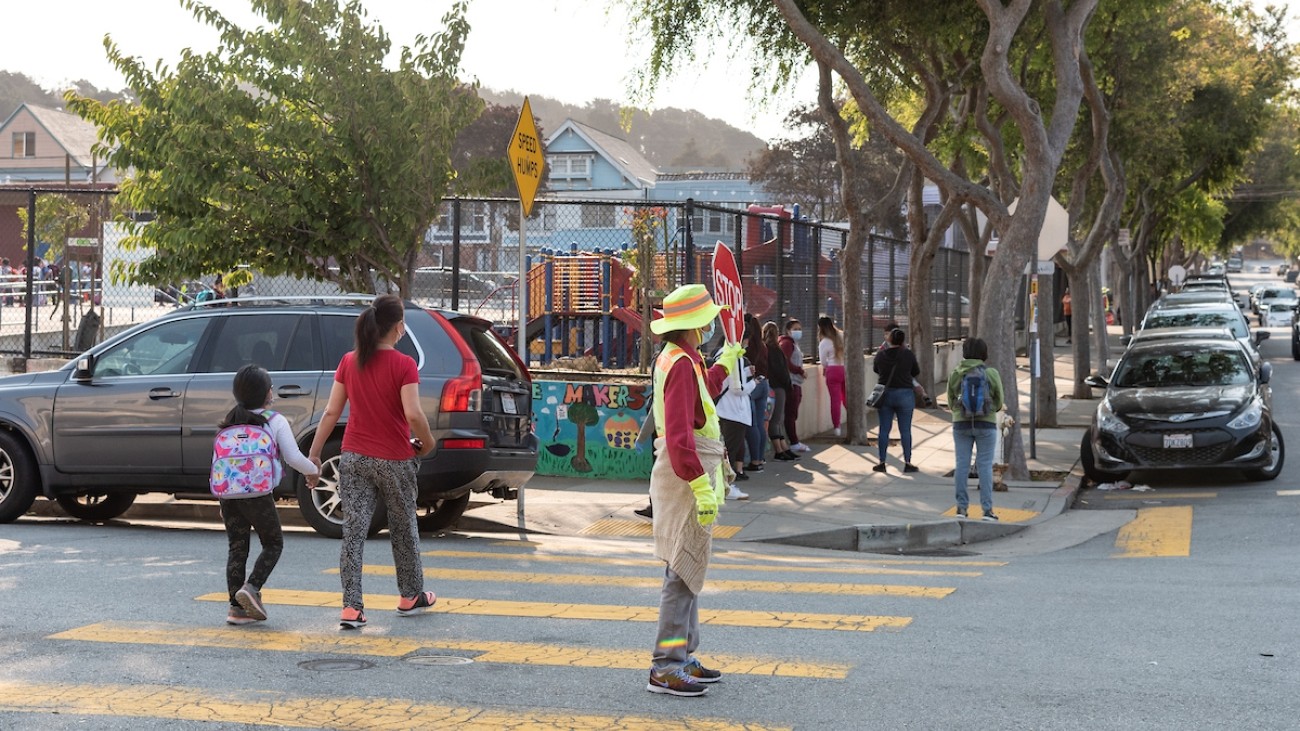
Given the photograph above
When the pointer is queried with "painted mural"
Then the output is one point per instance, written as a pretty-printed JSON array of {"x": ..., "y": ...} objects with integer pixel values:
[{"x": 589, "y": 429}]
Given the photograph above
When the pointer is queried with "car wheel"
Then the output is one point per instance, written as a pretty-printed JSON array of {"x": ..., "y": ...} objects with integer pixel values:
[
  {"x": 1089, "y": 463},
  {"x": 322, "y": 506},
  {"x": 1278, "y": 454},
  {"x": 96, "y": 508},
  {"x": 444, "y": 514},
  {"x": 18, "y": 484}
]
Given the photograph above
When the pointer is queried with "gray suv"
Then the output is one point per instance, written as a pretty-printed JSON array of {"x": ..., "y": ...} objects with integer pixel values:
[{"x": 138, "y": 413}]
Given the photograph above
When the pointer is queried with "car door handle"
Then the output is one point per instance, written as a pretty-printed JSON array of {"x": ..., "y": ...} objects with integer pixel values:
[
  {"x": 285, "y": 391},
  {"x": 162, "y": 393}
]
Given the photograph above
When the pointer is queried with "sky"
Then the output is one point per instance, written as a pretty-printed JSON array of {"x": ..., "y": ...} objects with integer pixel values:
[{"x": 570, "y": 50}]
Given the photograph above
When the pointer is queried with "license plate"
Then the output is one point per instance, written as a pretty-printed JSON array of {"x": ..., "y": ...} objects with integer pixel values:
[
  {"x": 508, "y": 406},
  {"x": 1178, "y": 441}
]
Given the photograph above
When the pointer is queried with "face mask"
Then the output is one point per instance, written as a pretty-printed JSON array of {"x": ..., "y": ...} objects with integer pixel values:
[
  {"x": 796, "y": 334},
  {"x": 706, "y": 333}
]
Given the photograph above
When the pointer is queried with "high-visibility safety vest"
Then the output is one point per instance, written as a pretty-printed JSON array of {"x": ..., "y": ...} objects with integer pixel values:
[{"x": 671, "y": 352}]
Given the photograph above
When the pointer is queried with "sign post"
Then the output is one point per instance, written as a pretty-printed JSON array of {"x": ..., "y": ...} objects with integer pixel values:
[
  {"x": 728, "y": 292},
  {"x": 525, "y": 155}
]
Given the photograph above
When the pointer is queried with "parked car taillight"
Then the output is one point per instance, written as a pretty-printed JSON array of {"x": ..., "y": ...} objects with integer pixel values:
[{"x": 465, "y": 391}]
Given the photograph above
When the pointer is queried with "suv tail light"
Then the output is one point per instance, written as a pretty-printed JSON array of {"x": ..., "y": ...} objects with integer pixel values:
[{"x": 465, "y": 391}]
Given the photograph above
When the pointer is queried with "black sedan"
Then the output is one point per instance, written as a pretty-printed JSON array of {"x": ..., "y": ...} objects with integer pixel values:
[{"x": 1188, "y": 404}]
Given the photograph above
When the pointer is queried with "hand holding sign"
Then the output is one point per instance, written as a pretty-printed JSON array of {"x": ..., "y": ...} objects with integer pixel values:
[{"x": 728, "y": 293}]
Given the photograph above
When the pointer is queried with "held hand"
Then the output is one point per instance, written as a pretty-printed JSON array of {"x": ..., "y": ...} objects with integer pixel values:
[
  {"x": 706, "y": 500},
  {"x": 730, "y": 356}
]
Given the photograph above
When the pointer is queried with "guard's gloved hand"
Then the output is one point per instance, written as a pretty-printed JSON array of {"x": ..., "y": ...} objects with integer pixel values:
[
  {"x": 730, "y": 356},
  {"x": 706, "y": 500}
]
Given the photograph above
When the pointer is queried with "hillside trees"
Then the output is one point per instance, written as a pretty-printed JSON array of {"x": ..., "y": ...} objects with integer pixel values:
[{"x": 291, "y": 146}]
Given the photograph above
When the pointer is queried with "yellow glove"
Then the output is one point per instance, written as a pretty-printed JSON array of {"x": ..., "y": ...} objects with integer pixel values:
[
  {"x": 730, "y": 356},
  {"x": 706, "y": 500}
]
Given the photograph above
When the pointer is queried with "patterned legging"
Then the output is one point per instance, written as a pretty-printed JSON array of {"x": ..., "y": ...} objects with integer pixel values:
[
  {"x": 240, "y": 516},
  {"x": 362, "y": 481}
]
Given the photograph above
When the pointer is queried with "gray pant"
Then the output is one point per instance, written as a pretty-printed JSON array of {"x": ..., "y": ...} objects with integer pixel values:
[
  {"x": 362, "y": 482},
  {"x": 679, "y": 623}
]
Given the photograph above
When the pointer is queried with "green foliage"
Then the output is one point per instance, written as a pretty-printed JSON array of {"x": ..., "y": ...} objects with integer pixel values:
[
  {"x": 57, "y": 218},
  {"x": 583, "y": 414},
  {"x": 291, "y": 147}
]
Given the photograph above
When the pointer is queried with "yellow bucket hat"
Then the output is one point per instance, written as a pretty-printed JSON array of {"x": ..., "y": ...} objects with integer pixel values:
[{"x": 687, "y": 307}]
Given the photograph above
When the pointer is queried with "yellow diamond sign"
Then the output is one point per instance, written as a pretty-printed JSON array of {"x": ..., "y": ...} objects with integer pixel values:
[{"x": 525, "y": 155}]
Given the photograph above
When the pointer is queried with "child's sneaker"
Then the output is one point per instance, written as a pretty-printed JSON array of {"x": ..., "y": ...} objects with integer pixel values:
[
  {"x": 734, "y": 493},
  {"x": 352, "y": 618},
  {"x": 238, "y": 616},
  {"x": 416, "y": 604},
  {"x": 675, "y": 682},
  {"x": 251, "y": 600}
]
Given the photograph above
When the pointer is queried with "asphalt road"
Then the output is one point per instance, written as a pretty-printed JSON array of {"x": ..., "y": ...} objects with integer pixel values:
[{"x": 1100, "y": 619}]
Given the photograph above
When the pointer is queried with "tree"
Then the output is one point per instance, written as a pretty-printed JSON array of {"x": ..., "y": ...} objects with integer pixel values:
[
  {"x": 291, "y": 146},
  {"x": 58, "y": 217},
  {"x": 479, "y": 154},
  {"x": 583, "y": 415}
]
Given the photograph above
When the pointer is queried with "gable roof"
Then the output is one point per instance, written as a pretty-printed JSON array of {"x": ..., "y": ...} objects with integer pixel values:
[
  {"x": 619, "y": 152},
  {"x": 75, "y": 135}
]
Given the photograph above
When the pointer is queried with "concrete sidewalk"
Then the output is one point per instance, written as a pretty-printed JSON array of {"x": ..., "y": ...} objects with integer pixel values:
[{"x": 831, "y": 499}]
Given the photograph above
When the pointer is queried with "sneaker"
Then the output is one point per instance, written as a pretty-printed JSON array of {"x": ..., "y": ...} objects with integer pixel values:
[
  {"x": 416, "y": 604},
  {"x": 734, "y": 493},
  {"x": 800, "y": 447},
  {"x": 909, "y": 467},
  {"x": 989, "y": 516},
  {"x": 961, "y": 513},
  {"x": 741, "y": 476},
  {"x": 352, "y": 618},
  {"x": 647, "y": 512},
  {"x": 837, "y": 431},
  {"x": 754, "y": 467},
  {"x": 251, "y": 601},
  {"x": 238, "y": 616},
  {"x": 879, "y": 468},
  {"x": 700, "y": 673},
  {"x": 675, "y": 682},
  {"x": 786, "y": 456}
]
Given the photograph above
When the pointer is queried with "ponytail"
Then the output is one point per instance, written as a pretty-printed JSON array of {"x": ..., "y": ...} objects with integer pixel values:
[{"x": 374, "y": 323}]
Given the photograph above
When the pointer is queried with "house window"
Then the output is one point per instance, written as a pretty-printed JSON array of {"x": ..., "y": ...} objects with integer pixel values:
[
  {"x": 597, "y": 216},
  {"x": 566, "y": 167},
  {"x": 24, "y": 144},
  {"x": 714, "y": 222}
]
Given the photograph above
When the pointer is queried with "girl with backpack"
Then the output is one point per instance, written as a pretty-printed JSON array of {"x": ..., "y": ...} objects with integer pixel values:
[
  {"x": 975, "y": 396},
  {"x": 245, "y": 469}
]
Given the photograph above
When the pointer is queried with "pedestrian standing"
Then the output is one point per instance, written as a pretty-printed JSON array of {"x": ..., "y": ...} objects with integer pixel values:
[
  {"x": 245, "y": 471},
  {"x": 778, "y": 374},
  {"x": 756, "y": 353},
  {"x": 830, "y": 351},
  {"x": 975, "y": 396},
  {"x": 686, "y": 482},
  {"x": 1066, "y": 311},
  {"x": 380, "y": 459},
  {"x": 734, "y": 416},
  {"x": 789, "y": 343},
  {"x": 896, "y": 367}
]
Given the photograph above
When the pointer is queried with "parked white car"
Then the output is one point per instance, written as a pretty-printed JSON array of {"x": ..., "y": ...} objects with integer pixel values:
[{"x": 1280, "y": 314}]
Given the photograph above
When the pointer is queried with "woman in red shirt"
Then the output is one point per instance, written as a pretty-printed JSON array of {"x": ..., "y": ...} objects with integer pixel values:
[{"x": 380, "y": 459}]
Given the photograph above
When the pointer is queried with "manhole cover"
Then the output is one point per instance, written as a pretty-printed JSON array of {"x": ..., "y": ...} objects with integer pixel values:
[
  {"x": 438, "y": 660},
  {"x": 335, "y": 665}
]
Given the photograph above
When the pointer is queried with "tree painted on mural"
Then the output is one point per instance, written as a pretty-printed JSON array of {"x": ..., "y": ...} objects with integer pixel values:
[{"x": 583, "y": 415}]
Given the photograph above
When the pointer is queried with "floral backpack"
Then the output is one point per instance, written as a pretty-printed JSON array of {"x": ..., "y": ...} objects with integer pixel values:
[{"x": 245, "y": 461}]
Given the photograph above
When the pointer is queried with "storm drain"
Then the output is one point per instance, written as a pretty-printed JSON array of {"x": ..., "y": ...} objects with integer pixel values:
[
  {"x": 438, "y": 660},
  {"x": 334, "y": 665}
]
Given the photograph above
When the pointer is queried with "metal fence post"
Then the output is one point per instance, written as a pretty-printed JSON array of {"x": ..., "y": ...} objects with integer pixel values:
[
  {"x": 31, "y": 264},
  {"x": 455, "y": 253},
  {"x": 780, "y": 275},
  {"x": 688, "y": 243},
  {"x": 870, "y": 274},
  {"x": 816, "y": 272}
]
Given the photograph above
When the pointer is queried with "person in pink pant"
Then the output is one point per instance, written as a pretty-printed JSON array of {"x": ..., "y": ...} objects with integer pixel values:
[{"x": 830, "y": 351}]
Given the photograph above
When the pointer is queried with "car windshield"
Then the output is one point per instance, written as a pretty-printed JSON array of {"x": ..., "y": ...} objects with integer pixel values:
[
  {"x": 1192, "y": 367},
  {"x": 1279, "y": 294},
  {"x": 1202, "y": 318}
]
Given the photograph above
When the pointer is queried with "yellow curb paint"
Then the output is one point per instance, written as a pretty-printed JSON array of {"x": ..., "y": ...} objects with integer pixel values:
[
  {"x": 332, "y": 712},
  {"x": 637, "y": 582},
  {"x": 640, "y": 528},
  {"x": 1157, "y": 495},
  {"x": 1156, "y": 532},
  {"x": 654, "y": 563},
  {"x": 608, "y": 612},
  {"x": 1005, "y": 515},
  {"x": 512, "y": 653}
]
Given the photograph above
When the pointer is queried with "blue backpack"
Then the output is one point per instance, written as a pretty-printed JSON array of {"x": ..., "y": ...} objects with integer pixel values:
[{"x": 973, "y": 395}]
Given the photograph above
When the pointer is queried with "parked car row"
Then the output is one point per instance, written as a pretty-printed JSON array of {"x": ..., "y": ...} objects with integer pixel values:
[
  {"x": 139, "y": 412},
  {"x": 1190, "y": 392}
]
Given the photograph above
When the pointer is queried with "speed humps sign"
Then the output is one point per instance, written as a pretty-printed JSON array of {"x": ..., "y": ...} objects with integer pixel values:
[{"x": 525, "y": 155}]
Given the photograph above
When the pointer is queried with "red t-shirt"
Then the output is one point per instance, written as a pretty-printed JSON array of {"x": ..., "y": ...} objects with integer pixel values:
[{"x": 377, "y": 424}]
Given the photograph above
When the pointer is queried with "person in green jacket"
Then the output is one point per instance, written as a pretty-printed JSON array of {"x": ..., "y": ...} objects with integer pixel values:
[{"x": 975, "y": 423}]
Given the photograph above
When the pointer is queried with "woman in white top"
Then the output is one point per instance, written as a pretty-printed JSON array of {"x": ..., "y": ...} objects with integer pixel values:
[
  {"x": 830, "y": 351},
  {"x": 734, "y": 416}
]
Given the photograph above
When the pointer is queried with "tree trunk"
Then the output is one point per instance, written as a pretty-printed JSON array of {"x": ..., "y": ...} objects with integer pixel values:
[{"x": 1045, "y": 411}]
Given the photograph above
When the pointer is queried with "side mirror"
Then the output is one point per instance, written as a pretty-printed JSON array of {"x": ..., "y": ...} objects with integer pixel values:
[
  {"x": 1261, "y": 336},
  {"x": 1095, "y": 381},
  {"x": 85, "y": 370},
  {"x": 1265, "y": 372}
]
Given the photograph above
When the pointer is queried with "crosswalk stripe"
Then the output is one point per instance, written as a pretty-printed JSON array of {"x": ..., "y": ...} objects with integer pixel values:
[
  {"x": 654, "y": 562},
  {"x": 608, "y": 612},
  {"x": 514, "y": 653},
  {"x": 638, "y": 582},
  {"x": 1156, "y": 532},
  {"x": 296, "y": 711},
  {"x": 642, "y": 529},
  {"x": 1288, "y": 493},
  {"x": 1158, "y": 495},
  {"x": 880, "y": 560}
]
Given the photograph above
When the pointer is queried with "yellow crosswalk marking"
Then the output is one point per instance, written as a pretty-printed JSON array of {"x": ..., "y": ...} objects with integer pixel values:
[
  {"x": 515, "y": 653},
  {"x": 500, "y": 608},
  {"x": 818, "y": 560},
  {"x": 1155, "y": 532},
  {"x": 1157, "y": 495},
  {"x": 1005, "y": 515},
  {"x": 1288, "y": 493},
  {"x": 640, "y": 528},
  {"x": 656, "y": 563},
  {"x": 332, "y": 712},
  {"x": 648, "y": 582}
]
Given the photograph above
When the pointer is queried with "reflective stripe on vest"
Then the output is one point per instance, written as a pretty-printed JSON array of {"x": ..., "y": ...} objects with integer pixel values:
[{"x": 671, "y": 352}]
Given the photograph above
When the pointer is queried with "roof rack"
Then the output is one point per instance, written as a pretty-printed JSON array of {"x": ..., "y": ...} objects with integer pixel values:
[{"x": 317, "y": 299}]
